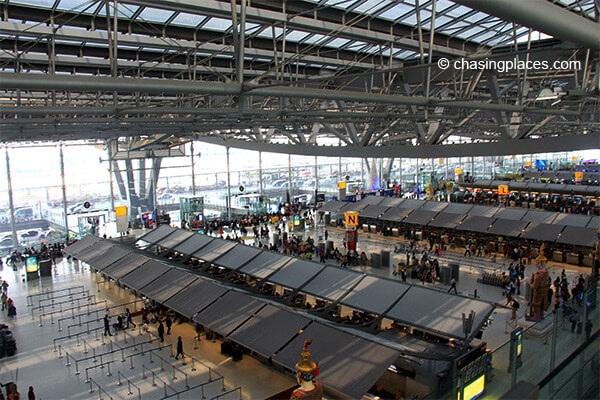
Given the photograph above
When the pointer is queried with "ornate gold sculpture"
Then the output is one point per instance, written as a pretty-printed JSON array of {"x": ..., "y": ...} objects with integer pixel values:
[
  {"x": 306, "y": 371},
  {"x": 539, "y": 287}
]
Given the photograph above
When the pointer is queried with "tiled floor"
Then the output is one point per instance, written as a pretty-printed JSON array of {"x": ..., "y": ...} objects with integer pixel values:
[{"x": 38, "y": 363}]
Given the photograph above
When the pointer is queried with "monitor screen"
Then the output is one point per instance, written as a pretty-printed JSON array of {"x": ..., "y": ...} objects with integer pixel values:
[{"x": 31, "y": 264}]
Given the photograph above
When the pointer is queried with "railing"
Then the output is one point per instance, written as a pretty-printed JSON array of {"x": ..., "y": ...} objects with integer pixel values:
[
  {"x": 238, "y": 389},
  {"x": 100, "y": 390},
  {"x": 201, "y": 386},
  {"x": 129, "y": 385},
  {"x": 577, "y": 376},
  {"x": 51, "y": 293},
  {"x": 546, "y": 343}
]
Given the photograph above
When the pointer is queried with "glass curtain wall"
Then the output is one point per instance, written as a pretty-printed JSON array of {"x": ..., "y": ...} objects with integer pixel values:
[{"x": 217, "y": 173}]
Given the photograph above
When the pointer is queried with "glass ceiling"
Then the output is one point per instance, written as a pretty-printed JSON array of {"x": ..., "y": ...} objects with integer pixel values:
[{"x": 451, "y": 19}]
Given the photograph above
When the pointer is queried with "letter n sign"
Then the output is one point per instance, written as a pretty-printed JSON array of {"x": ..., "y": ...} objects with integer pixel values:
[{"x": 351, "y": 218}]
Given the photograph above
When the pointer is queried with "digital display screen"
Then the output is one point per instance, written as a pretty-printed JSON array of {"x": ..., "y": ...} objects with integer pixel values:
[
  {"x": 474, "y": 389},
  {"x": 31, "y": 264}
]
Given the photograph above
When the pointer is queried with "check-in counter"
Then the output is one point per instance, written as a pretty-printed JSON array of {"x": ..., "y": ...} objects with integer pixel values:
[
  {"x": 573, "y": 258},
  {"x": 373, "y": 228},
  {"x": 558, "y": 256},
  {"x": 588, "y": 261},
  {"x": 365, "y": 228},
  {"x": 501, "y": 247},
  {"x": 395, "y": 232}
]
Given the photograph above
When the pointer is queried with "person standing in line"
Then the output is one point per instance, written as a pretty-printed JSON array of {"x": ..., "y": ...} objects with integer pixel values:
[
  {"x": 169, "y": 323},
  {"x": 107, "y": 325},
  {"x": 129, "y": 319},
  {"x": 161, "y": 332},
  {"x": 453, "y": 284},
  {"x": 30, "y": 394},
  {"x": 179, "y": 348}
]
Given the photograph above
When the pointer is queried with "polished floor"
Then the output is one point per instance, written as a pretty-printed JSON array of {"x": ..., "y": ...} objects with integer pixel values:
[{"x": 63, "y": 354}]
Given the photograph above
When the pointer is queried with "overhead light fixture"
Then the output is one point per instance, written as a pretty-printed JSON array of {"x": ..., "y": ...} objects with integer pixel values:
[{"x": 546, "y": 94}]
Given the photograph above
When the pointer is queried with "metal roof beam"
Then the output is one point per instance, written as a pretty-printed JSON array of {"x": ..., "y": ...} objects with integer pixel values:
[{"x": 543, "y": 16}]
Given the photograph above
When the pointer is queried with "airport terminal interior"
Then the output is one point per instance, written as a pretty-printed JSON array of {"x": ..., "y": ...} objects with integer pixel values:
[{"x": 299, "y": 199}]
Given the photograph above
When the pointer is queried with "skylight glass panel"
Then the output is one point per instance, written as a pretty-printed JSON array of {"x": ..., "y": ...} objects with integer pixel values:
[
  {"x": 477, "y": 17},
  {"x": 338, "y": 43},
  {"x": 73, "y": 5},
  {"x": 357, "y": 44},
  {"x": 485, "y": 36},
  {"x": 535, "y": 35},
  {"x": 218, "y": 24},
  {"x": 127, "y": 10},
  {"x": 189, "y": 20},
  {"x": 313, "y": 39},
  {"x": 397, "y": 11},
  {"x": 40, "y": 3},
  {"x": 295, "y": 36},
  {"x": 404, "y": 54},
  {"x": 412, "y": 19},
  {"x": 440, "y": 20},
  {"x": 469, "y": 33},
  {"x": 155, "y": 15},
  {"x": 252, "y": 27},
  {"x": 268, "y": 33},
  {"x": 370, "y": 6},
  {"x": 457, "y": 12}
]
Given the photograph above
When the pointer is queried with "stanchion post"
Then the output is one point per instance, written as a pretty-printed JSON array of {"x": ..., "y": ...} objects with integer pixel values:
[
  {"x": 101, "y": 362},
  {"x": 68, "y": 363},
  {"x": 131, "y": 362},
  {"x": 94, "y": 354},
  {"x": 123, "y": 355},
  {"x": 91, "y": 386},
  {"x": 173, "y": 369},
  {"x": 151, "y": 360},
  {"x": 129, "y": 392},
  {"x": 51, "y": 318},
  {"x": 85, "y": 350},
  {"x": 153, "y": 379},
  {"x": 41, "y": 324},
  {"x": 60, "y": 351},
  {"x": 193, "y": 364},
  {"x": 77, "y": 367},
  {"x": 108, "y": 373}
]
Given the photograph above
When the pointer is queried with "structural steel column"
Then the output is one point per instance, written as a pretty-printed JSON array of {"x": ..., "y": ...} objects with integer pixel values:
[
  {"x": 64, "y": 188},
  {"x": 11, "y": 204}
]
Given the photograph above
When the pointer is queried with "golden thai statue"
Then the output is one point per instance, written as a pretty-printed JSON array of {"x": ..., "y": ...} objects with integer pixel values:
[
  {"x": 539, "y": 287},
  {"x": 429, "y": 191},
  {"x": 306, "y": 372}
]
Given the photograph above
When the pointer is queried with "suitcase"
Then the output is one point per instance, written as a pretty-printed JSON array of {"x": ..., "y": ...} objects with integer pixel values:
[
  {"x": 226, "y": 348},
  {"x": 10, "y": 347}
]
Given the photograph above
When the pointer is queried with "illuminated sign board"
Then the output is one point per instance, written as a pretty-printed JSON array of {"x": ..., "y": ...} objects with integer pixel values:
[
  {"x": 31, "y": 264},
  {"x": 473, "y": 389},
  {"x": 351, "y": 218}
]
